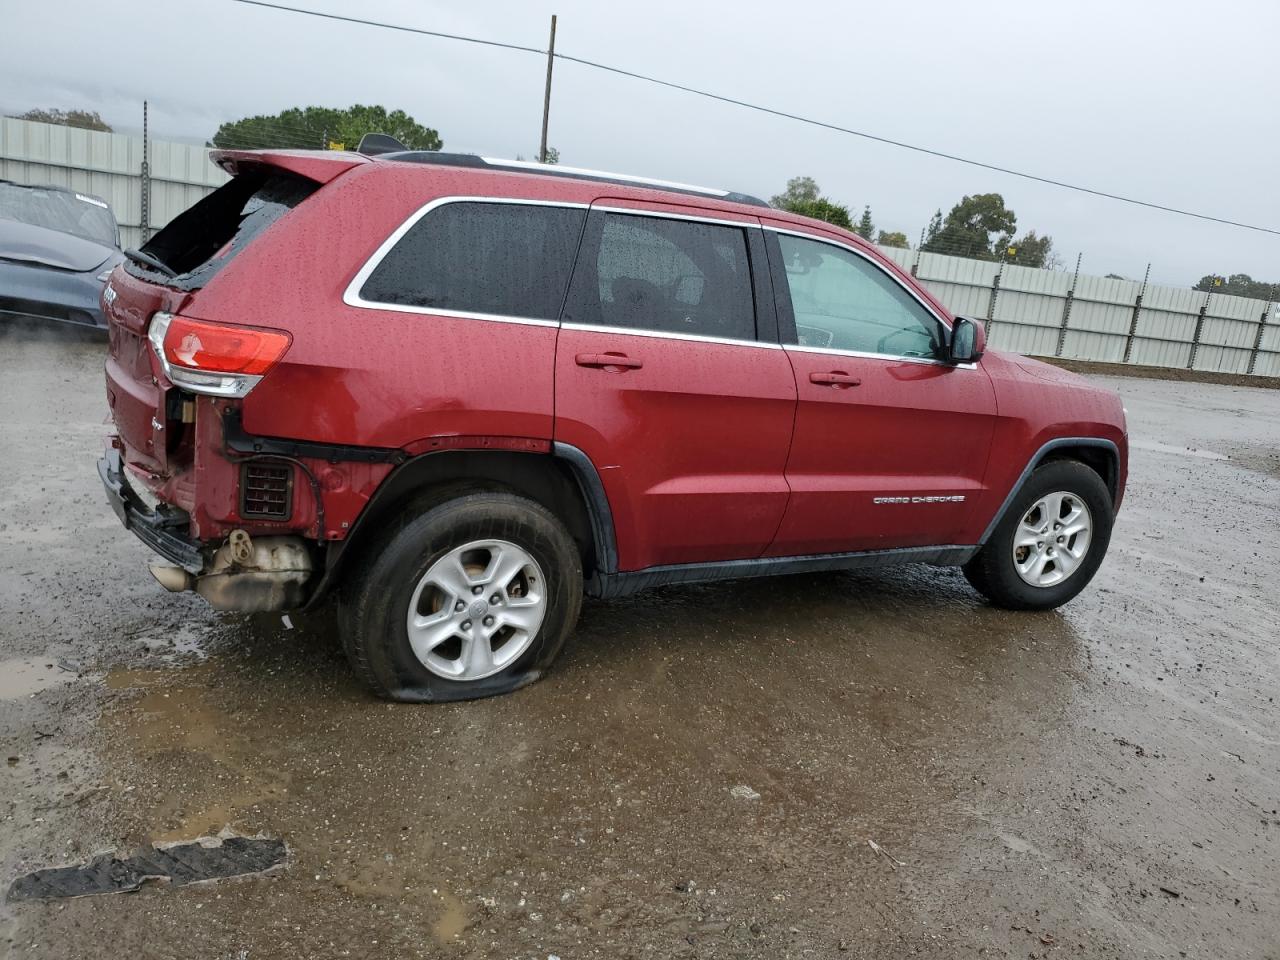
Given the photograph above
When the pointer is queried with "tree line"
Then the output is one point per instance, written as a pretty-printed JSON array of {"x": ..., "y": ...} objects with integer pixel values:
[{"x": 979, "y": 226}]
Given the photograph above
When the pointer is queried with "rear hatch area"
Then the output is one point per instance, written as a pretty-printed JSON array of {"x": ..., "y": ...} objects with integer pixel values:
[{"x": 154, "y": 419}]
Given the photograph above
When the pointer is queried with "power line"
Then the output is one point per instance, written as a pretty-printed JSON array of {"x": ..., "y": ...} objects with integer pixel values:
[
  {"x": 392, "y": 26},
  {"x": 776, "y": 113}
]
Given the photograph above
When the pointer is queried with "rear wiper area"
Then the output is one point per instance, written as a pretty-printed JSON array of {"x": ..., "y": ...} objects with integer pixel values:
[{"x": 147, "y": 260}]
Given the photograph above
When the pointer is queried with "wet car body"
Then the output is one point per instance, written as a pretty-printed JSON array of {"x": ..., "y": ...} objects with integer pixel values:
[
  {"x": 56, "y": 248},
  {"x": 292, "y": 379}
]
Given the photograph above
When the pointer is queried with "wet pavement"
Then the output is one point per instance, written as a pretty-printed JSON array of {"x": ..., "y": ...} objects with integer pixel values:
[{"x": 923, "y": 774}]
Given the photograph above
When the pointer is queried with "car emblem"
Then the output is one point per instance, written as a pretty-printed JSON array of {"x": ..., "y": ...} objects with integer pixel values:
[{"x": 109, "y": 295}]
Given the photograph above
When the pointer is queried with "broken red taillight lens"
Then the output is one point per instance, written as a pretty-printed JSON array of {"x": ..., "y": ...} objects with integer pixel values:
[{"x": 218, "y": 359}]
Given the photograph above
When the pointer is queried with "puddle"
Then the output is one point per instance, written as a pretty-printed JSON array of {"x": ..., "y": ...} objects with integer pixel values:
[
  {"x": 26, "y": 676},
  {"x": 174, "y": 711},
  {"x": 453, "y": 922},
  {"x": 1155, "y": 446}
]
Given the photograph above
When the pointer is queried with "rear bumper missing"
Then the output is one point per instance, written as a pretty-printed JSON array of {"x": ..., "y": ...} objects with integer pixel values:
[
  {"x": 164, "y": 532},
  {"x": 243, "y": 574}
]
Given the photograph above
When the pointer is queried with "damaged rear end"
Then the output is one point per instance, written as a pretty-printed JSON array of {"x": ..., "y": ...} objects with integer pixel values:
[{"x": 238, "y": 521}]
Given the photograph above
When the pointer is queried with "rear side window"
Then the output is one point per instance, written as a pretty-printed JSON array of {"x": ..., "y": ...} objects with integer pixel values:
[
  {"x": 675, "y": 276},
  {"x": 501, "y": 259},
  {"x": 199, "y": 242}
]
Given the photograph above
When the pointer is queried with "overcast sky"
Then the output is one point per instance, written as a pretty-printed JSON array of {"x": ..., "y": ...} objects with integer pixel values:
[{"x": 1172, "y": 102}]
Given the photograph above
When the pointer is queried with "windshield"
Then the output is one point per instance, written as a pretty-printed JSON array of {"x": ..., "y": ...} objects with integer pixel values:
[{"x": 63, "y": 210}]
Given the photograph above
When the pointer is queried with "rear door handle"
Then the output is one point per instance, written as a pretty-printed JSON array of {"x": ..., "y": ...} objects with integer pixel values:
[
  {"x": 836, "y": 378},
  {"x": 618, "y": 361}
]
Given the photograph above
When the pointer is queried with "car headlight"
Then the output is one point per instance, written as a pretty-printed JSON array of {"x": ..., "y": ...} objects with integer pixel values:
[{"x": 105, "y": 275}]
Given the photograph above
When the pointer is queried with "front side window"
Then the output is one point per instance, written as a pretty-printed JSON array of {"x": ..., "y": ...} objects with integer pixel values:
[
  {"x": 504, "y": 259},
  {"x": 844, "y": 302},
  {"x": 675, "y": 276}
]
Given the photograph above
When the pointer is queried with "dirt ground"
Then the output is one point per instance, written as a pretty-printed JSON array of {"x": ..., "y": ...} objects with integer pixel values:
[{"x": 1103, "y": 781}]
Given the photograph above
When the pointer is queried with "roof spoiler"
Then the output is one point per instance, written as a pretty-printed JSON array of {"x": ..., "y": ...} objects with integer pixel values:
[{"x": 318, "y": 165}]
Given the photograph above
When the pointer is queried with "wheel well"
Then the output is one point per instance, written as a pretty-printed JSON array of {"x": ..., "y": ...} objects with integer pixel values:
[
  {"x": 424, "y": 480},
  {"x": 1099, "y": 459}
]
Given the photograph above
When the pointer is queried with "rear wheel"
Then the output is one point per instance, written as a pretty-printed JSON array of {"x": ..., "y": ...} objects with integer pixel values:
[
  {"x": 474, "y": 597},
  {"x": 1049, "y": 543}
]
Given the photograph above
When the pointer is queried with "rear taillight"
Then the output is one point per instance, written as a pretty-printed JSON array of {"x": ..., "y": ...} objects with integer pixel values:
[{"x": 218, "y": 359}]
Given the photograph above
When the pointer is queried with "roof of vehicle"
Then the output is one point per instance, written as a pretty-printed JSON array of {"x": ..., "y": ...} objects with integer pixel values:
[
  {"x": 57, "y": 187},
  {"x": 324, "y": 165},
  {"x": 576, "y": 173}
]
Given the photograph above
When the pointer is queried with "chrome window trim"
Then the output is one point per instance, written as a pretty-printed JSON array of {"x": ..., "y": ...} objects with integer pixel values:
[
  {"x": 871, "y": 260},
  {"x": 351, "y": 296},
  {"x": 670, "y": 335},
  {"x": 863, "y": 355},
  {"x": 664, "y": 215}
]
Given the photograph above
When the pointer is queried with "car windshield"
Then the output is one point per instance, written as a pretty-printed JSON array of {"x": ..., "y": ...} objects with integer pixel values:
[{"x": 62, "y": 210}]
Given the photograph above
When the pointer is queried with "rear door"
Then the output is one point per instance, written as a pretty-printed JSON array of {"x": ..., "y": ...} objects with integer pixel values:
[
  {"x": 891, "y": 443},
  {"x": 670, "y": 378}
]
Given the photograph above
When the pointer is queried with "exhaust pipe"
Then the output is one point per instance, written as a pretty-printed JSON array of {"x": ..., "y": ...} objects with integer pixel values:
[
  {"x": 247, "y": 575},
  {"x": 173, "y": 579}
]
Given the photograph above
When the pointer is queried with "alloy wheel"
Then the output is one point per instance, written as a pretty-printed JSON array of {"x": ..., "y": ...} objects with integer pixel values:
[
  {"x": 476, "y": 610},
  {"x": 1052, "y": 539}
]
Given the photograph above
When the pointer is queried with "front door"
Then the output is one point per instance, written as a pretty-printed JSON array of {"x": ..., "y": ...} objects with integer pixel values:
[
  {"x": 663, "y": 381},
  {"x": 891, "y": 443}
]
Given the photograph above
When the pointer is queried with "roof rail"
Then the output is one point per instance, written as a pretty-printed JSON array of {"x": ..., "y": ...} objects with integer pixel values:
[{"x": 575, "y": 173}]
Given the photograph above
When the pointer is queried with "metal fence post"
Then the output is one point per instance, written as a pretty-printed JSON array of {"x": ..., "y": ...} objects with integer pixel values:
[
  {"x": 991, "y": 306},
  {"x": 1262, "y": 328},
  {"x": 1066, "y": 307},
  {"x": 1195, "y": 337},
  {"x": 915, "y": 264},
  {"x": 1137, "y": 311},
  {"x": 145, "y": 213}
]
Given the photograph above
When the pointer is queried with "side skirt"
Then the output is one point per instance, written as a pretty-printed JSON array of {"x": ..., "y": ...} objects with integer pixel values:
[{"x": 633, "y": 581}]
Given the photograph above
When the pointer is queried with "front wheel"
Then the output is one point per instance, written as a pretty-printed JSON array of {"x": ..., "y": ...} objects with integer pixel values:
[
  {"x": 472, "y": 598},
  {"x": 1050, "y": 542}
]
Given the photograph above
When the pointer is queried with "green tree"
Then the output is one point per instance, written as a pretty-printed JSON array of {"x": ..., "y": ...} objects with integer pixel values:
[
  {"x": 824, "y": 210},
  {"x": 894, "y": 239},
  {"x": 967, "y": 229},
  {"x": 84, "y": 119},
  {"x": 865, "y": 228},
  {"x": 1030, "y": 250},
  {"x": 316, "y": 127},
  {"x": 1238, "y": 285},
  {"x": 553, "y": 155},
  {"x": 799, "y": 190}
]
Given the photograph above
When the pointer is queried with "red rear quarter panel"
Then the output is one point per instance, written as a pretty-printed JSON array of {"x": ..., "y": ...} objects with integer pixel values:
[{"x": 372, "y": 377}]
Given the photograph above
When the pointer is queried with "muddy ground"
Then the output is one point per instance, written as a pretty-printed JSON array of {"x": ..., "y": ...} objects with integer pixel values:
[{"x": 1103, "y": 781}]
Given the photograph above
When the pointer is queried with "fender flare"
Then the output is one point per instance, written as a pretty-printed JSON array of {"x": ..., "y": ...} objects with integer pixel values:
[
  {"x": 1037, "y": 458},
  {"x": 592, "y": 488}
]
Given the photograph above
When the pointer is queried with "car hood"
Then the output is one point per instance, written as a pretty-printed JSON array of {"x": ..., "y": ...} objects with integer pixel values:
[
  {"x": 1047, "y": 371},
  {"x": 27, "y": 243}
]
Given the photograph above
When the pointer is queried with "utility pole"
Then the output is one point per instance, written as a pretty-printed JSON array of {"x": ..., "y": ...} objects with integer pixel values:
[{"x": 546, "y": 97}]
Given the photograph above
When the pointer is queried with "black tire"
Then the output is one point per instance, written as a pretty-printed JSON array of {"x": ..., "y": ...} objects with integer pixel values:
[
  {"x": 376, "y": 602},
  {"x": 992, "y": 572}
]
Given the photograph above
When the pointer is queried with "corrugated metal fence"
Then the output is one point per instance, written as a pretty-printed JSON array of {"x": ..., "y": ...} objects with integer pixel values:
[
  {"x": 1051, "y": 313},
  {"x": 1045, "y": 313},
  {"x": 108, "y": 165}
]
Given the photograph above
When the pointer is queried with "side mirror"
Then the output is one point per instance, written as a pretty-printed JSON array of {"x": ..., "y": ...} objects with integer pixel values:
[{"x": 968, "y": 341}]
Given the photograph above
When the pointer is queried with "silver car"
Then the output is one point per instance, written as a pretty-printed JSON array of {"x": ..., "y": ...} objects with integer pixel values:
[{"x": 57, "y": 247}]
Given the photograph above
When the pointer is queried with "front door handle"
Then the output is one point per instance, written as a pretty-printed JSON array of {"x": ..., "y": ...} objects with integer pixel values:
[
  {"x": 836, "y": 378},
  {"x": 608, "y": 361}
]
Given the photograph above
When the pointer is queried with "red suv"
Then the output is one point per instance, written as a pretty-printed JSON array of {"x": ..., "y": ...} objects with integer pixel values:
[{"x": 458, "y": 393}]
